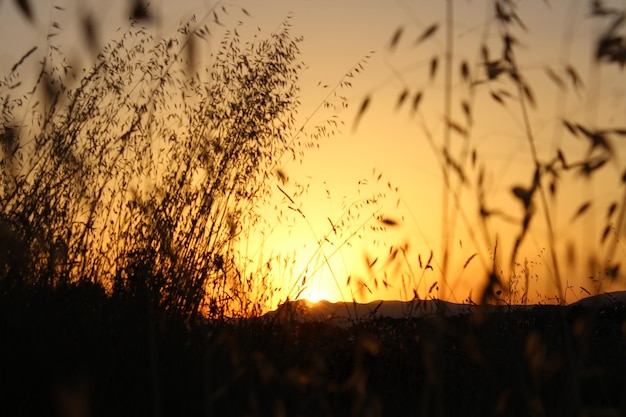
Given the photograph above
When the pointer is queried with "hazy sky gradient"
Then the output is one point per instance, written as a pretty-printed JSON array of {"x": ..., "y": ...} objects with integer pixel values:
[{"x": 340, "y": 34}]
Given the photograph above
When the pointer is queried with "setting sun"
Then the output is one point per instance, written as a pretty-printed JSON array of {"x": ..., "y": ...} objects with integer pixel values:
[
  {"x": 315, "y": 295},
  {"x": 292, "y": 207}
]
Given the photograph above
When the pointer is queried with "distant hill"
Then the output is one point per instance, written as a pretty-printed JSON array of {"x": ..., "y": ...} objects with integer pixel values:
[{"x": 345, "y": 313}]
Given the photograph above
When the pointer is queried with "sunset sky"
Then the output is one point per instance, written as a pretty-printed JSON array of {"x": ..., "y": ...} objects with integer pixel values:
[{"x": 388, "y": 152}]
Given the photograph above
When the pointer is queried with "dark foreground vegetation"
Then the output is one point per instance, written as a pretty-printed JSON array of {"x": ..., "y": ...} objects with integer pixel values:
[
  {"x": 74, "y": 351},
  {"x": 127, "y": 191}
]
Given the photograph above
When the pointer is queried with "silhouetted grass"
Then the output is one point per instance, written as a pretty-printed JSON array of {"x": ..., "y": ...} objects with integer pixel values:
[
  {"x": 123, "y": 197},
  {"x": 76, "y": 347},
  {"x": 492, "y": 75},
  {"x": 143, "y": 175}
]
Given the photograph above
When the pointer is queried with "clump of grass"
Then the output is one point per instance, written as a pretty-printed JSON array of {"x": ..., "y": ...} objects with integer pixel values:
[{"x": 143, "y": 174}]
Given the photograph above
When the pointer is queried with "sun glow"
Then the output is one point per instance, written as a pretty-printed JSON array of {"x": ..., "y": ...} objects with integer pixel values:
[
  {"x": 315, "y": 294},
  {"x": 322, "y": 282}
]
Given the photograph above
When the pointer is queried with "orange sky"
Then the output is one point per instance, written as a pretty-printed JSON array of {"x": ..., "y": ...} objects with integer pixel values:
[{"x": 343, "y": 172}]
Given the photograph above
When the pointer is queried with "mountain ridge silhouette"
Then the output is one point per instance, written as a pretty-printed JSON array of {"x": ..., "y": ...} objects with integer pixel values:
[{"x": 345, "y": 313}]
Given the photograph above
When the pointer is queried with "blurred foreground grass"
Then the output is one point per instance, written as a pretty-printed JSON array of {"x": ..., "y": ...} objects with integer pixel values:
[{"x": 76, "y": 351}]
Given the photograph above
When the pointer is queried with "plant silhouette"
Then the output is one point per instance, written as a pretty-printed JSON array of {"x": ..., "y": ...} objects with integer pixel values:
[{"x": 141, "y": 175}]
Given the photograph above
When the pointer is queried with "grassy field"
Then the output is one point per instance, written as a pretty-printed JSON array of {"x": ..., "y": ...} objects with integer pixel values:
[
  {"x": 76, "y": 352},
  {"x": 128, "y": 190}
]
